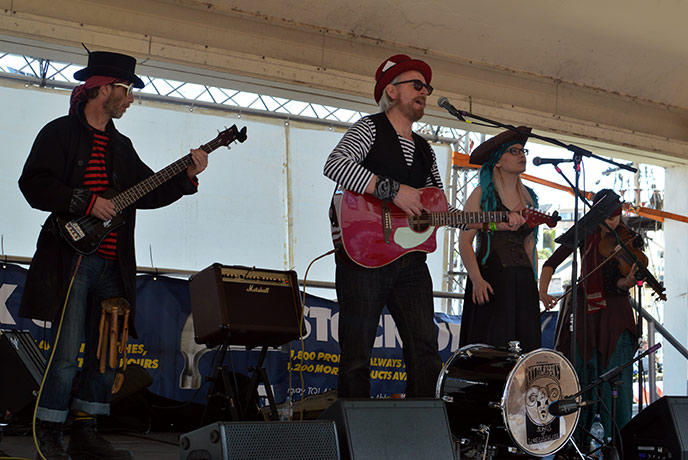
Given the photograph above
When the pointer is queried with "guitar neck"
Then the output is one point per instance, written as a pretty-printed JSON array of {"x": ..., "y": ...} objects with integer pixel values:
[
  {"x": 461, "y": 217},
  {"x": 126, "y": 198}
]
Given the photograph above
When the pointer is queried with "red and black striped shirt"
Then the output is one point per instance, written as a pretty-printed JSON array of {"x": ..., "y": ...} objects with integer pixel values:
[{"x": 96, "y": 180}]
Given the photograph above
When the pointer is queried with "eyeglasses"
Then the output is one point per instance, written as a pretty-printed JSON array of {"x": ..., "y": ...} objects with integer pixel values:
[
  {"x": 417, "y": 85},
  {"x": 516, "y": 151},
  {"x": 129, "y": 87}
]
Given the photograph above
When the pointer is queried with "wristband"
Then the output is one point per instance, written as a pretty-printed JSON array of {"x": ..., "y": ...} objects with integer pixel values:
[{"x": 386, "y": 188}]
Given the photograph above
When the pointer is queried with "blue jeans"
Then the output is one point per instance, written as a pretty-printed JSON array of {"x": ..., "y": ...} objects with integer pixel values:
[
  {"x": 97, "y": 279},
  {"x": 405, "y": 287}
]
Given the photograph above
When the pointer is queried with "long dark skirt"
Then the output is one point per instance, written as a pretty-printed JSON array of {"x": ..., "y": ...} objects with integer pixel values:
[{"x": 513, "y": 312}]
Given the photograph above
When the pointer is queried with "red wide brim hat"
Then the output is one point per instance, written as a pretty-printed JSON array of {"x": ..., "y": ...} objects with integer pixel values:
[{"x": 395, "y": 65}]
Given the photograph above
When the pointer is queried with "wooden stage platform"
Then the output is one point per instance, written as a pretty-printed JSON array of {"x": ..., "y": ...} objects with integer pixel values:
[{"x": 153, "y": 446}]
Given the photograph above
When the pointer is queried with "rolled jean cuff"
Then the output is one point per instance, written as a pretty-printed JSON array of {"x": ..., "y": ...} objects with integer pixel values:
[
  {"x": 51, "y": 415},
  {"x": 93, "y": 408}
]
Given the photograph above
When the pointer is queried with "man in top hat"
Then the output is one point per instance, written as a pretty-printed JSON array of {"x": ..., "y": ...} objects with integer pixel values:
[
  {"x": 73, "y": 160},
  {"x": 382, "y": 156}
]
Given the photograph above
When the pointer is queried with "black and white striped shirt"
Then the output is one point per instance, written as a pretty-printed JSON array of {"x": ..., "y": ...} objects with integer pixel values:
[{"x": 344, "y": 163}]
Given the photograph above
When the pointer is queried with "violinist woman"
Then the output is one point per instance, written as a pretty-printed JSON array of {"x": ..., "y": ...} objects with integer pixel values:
[
  {"x": 605, "y": 321},
  {"x": 501, "y": 298}
]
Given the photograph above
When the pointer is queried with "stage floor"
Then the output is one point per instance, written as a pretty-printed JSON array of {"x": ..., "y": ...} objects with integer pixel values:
[{"x": 153, "y": 446}]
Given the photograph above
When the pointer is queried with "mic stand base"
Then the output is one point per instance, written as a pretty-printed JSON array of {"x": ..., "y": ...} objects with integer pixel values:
[{"x": 578, "y": 451}]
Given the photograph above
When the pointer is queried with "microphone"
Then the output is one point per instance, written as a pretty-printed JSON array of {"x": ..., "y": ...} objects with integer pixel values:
[
  {"x": 567, "y": 406},
  {"x": 445, "y": 104},
  {"x": 537, "y": 161}
]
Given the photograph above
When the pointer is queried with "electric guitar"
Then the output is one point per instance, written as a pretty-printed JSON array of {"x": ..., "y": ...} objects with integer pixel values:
[
  {"x": 85, "y": 233},
  {"x": 373, "y": 233}
]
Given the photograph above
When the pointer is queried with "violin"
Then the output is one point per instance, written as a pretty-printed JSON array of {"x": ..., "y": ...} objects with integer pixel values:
[
  {"x": 610, "y": 246},
  {"x": 619, "y": 245}
]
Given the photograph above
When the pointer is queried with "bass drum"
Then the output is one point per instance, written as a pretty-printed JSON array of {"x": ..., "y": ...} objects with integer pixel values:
[{"x": 509, "y": 392}]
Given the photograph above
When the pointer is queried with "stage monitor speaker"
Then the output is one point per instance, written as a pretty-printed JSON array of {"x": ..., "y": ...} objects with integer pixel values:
[
  {"x": 660, "y": 431},
  {"x": 391, "y": 429},
  {"x": 303, "y": 440},
  {"x": 23, "y": 364},
  {"x": 249, "y": 306}
]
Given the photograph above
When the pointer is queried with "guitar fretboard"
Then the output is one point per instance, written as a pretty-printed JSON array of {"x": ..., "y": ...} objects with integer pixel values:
[
  {"x": 461, "y": 217},
  {"x": 130, "y": 195}
]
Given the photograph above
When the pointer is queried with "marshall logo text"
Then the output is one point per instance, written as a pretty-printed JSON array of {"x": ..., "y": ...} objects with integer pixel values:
[{"x": 258, "y": 289}]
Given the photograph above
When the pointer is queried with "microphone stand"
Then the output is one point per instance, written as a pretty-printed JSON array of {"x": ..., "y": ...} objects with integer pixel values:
[
  {"x": 578, "y": 154},
  {"x": 606, "y": 377},
  {"x": 577, "y": 159}
]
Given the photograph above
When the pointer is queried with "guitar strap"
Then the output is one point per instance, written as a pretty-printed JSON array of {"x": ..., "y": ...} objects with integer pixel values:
[
  {"x": 423, "y": 146},
  {"x": 333, "y": 212}
]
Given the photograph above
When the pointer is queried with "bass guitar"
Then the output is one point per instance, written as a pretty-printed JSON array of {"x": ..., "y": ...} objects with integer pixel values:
[
  {"x": 85, "y": 233},
  {"x": 373, "y": 233}
]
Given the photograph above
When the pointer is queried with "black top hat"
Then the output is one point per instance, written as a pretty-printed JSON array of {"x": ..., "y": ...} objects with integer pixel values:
[{"x": 106, "y": 64}]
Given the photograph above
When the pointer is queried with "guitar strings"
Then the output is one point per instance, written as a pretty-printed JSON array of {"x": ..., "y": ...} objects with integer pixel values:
[{"x": 122, "y": 200}]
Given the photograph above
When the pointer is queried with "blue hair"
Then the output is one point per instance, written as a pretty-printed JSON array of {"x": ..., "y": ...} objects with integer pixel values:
[{"x": 488, "y": 196}]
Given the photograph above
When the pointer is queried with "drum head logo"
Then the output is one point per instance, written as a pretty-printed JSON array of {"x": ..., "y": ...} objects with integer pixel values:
[{"x": 542, "y": 388}]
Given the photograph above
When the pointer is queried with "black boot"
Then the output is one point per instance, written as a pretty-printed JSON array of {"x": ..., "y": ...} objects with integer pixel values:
[
  {"x": 86, "y": 444},
  {"x": 50, "y": 441}
]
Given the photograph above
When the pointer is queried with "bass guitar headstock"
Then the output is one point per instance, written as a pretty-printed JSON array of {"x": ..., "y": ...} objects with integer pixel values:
[{"x": 229, "y": 135}]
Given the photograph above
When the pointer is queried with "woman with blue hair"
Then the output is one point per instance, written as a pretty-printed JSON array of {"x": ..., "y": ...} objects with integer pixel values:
[{"x": 501, "y": 300}]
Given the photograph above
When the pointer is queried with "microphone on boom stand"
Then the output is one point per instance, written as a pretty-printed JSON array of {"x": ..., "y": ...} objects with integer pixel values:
[
  {"x": 446, "y": 105},
  {"x": 537, "y": 161}
]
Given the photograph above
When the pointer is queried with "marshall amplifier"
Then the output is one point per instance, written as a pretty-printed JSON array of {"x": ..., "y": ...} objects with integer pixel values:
[{"x": 248, "y": 306}]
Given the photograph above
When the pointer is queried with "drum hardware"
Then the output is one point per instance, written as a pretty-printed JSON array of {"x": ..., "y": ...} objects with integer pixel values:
[
  {"x": 515, "y": 347},
  {"x": 494, "y": 405},
  {"x": 484, "y": 431}
]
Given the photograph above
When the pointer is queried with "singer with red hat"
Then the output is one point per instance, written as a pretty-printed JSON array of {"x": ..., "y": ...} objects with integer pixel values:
[{"x": 380, "y": 155}]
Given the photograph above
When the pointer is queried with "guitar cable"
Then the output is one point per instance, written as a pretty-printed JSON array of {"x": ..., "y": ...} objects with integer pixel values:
[
  {"x": 301, "y": 339},
  {"x": 50, "y": 360}
]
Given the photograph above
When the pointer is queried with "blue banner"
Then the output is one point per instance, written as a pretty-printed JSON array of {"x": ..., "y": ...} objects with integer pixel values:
[{"x": 180, "y": 367}]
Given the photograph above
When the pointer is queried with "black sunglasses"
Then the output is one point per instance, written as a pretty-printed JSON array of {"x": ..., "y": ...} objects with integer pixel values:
[{"x": 417, "y": 85}]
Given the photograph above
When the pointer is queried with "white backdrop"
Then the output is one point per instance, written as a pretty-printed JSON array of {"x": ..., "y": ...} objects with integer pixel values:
[{"x": 264, "y": 203}]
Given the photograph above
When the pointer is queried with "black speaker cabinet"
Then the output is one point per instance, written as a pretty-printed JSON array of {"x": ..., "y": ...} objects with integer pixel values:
[
  {"x": 392, "y": 429},
  {"x": 660, "y": 431},
  {"x": 302, "y": 440},
  {"x": 254, "y": 306},
  {"x": 23, "y": 364}
]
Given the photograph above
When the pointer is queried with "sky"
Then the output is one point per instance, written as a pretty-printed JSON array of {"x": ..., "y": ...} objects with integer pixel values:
[{"x": 595, "y": 175}]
